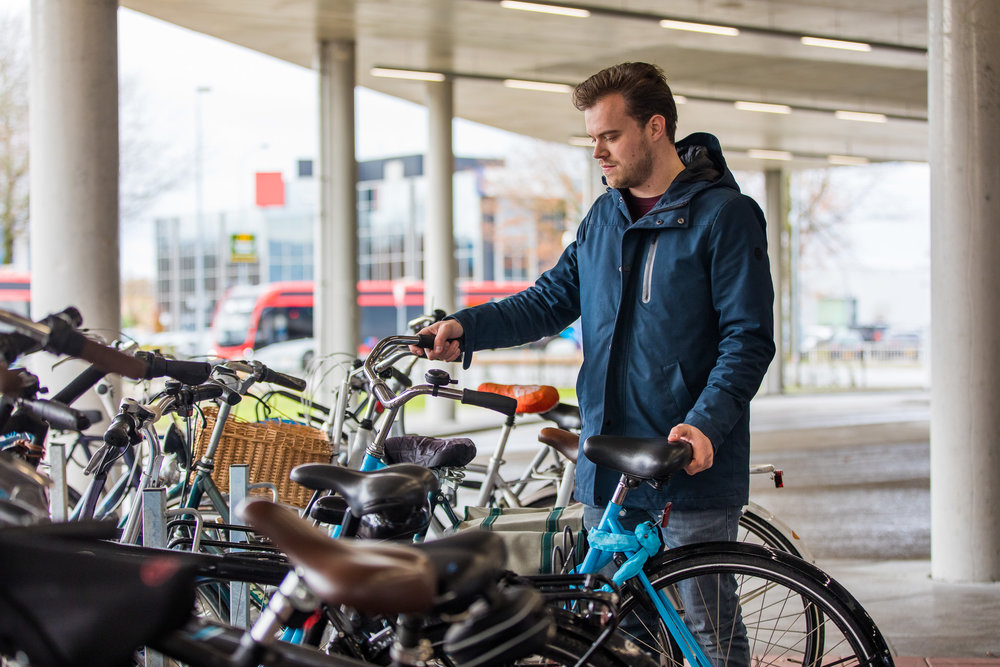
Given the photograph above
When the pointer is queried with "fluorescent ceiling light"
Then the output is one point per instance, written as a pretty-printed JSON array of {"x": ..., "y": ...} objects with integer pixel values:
[
  {"x": 762, "y": 154},
  {"x": 586, "y": 142},
  {"x": 860, "y": 116},
  {"x": 545, "y": 9},
  {"x": 680, "y": 99},
  {"x": 762, "y": 107},
  {"x": 414, "y": 75},
  {"x": 700, "y": 27},
  {"x": 836, "y": 44},
  {"x": 542, "y": 86},
  {"x": 849, "y": 160}
]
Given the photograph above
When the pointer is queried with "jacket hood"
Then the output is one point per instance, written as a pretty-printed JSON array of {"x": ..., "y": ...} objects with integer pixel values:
[{"x": 703, "y": 160}]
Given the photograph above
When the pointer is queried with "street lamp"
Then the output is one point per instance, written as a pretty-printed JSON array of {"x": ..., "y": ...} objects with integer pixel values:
[{"x": 199, "y": 244}]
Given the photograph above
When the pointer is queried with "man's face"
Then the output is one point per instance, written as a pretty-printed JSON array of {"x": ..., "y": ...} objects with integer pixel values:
[{"x": 621, "y": 144}]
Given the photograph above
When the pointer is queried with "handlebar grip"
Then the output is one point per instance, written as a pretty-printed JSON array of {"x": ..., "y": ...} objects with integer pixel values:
[
  {"x": 59, "y": 415},
  {"x": 205, "y": 392},
  {"x": 111, "y": 360},
  {"x": 425, "y": 341},
  {"x": 188, "y": 372},
  {"x": 286, "y": 381},
  {"x": 485, "y": 399},
  {"x": 121, "y": 432}
]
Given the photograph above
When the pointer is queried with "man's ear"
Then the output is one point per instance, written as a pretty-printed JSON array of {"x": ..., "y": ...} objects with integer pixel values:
[{"x": 657, "y": 126}]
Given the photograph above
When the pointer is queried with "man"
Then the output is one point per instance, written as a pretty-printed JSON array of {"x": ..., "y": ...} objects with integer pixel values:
[{"x": 670, "y": 277}]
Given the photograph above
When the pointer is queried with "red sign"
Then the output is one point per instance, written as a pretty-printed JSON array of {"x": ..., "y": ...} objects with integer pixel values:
[{"x": 270, "y": 189}]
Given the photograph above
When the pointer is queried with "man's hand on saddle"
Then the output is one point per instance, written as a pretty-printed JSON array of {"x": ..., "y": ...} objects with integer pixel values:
[
  {"x": 701, "y": 447},
  {"x": 446, "y": 334}
]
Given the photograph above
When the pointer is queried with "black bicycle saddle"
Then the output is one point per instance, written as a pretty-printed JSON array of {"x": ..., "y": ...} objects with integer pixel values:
[
  {"x": 373, "y": 491},
  {"x": 466, "y": 563},
  {"x": 645, "y": 458}
]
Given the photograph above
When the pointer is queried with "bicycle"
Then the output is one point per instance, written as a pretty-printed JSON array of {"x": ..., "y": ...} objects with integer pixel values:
[
  {"x": 757, "y": 525},
  {"x": 790, "y": 608},
  {"x": 826, "y": 617},
  {"x": 62, "y": 571}
]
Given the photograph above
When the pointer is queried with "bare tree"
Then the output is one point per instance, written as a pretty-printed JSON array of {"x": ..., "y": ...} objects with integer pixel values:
[
  {"x": 14, "y": 67},
  {"x": 540, "y": 200},
  {"x": 148, "y": 167}
]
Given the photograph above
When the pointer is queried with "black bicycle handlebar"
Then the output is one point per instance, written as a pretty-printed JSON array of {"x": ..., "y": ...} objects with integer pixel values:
[
  {"x": 210, "y": 390},
  {"x": 281, "y": 379},
  {"x": 122, "y": 432},
  {"x": 57, "y": 333},
  {"x": 109, "y": 359},
  {"x": 188, "y": 372},
  {"x": 58, "y": 415},
  {"x": 485, "y": 399},
  {"x": 79, "y": 385}
]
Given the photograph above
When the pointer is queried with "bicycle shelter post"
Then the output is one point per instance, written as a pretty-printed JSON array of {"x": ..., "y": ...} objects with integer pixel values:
[
  {"x": 58, "y": 501},
  {"x": 239, "y": 488},
  {"x": 154, "y": 505}
]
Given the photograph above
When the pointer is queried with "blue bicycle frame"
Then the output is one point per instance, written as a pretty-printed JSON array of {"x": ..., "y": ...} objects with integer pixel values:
[{"x": 638, "y": 547}]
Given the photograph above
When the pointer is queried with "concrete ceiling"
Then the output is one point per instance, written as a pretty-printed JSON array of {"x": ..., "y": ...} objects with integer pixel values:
[{"x": 481, "y": 43}]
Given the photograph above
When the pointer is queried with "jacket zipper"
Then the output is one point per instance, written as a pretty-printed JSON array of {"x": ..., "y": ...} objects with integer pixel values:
[{"x": 647, "y": 273}]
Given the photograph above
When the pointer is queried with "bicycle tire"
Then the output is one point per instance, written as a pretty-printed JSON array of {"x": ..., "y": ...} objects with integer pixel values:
[
  {"x": 792, "y": 610},
  {"x": 757, "y": 526},
  {"x": 572, "y": 636}
]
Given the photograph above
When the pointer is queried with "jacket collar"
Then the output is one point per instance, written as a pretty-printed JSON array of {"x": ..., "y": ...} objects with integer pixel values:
[{"x": 705, "y": 167}]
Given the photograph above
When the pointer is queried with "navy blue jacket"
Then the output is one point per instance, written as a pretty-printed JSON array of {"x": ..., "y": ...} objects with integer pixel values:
[{"x": 676, "y": 315}]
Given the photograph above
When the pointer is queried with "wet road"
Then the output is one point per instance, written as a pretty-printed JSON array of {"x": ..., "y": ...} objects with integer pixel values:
[
  {"x": 863, "y": 501},
  {"x": 857, "y": 501},
  {"x": 856, "y": 470}
]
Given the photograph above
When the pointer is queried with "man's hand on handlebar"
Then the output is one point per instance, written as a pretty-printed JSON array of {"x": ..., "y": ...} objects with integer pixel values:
[
  {"x": 702, "y": 450},
  {"x": 446, "y": 334}
]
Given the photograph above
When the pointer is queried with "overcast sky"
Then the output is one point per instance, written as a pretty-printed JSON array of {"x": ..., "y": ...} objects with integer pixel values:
[{"x": 260, "y": 113}]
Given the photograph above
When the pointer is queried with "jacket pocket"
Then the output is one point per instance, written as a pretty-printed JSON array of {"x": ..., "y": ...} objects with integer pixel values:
[
  {"x": 647, "y": 272},
  {"x": 676, "y": 387}
]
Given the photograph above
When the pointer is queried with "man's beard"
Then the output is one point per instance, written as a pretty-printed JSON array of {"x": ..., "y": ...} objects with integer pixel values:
[{"x": 637, "y": 173}]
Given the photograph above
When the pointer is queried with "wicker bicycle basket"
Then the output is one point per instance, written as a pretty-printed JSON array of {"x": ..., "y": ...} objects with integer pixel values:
[{"x": 270, "y": 448}]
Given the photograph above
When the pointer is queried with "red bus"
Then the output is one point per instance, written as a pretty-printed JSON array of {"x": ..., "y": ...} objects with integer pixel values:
[
  {"x": 250, "y": 317},
  {"x": 15, "y": 291}
]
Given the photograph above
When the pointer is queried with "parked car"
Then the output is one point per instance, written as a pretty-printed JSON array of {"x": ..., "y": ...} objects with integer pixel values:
[{"x": 290, "y": 356}]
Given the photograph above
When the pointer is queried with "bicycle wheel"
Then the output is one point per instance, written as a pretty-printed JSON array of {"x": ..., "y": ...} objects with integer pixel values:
[
  {"x": 758, "y": 526},
  {"x": 792, "y": 611},
  {"x": 571, "y": 637}
]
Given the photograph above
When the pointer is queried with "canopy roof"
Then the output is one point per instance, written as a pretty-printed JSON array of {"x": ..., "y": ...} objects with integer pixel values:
[{"x": 480, "y": 44}]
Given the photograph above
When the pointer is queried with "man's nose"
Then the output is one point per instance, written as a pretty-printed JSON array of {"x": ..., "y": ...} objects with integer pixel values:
[{"x": 598, "y": 150}]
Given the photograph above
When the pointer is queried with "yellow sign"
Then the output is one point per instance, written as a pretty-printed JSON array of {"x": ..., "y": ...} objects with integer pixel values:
[{"x": 243, "y": 248}]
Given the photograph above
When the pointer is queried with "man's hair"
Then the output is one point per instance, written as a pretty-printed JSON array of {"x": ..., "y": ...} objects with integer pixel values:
[{"x": 643, "y": 86}]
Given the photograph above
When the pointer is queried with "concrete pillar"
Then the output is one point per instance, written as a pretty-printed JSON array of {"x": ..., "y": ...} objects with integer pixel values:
[
  {"x": 440, "y": 276},
  {"x": 776, "y": 200},
  {"x": 964, "y": 114},
  {"x": 74, "y": 159},
  {"x": 439, "y": 168},
  {"x": 337, "y": 320},
  {"x": 74, "y": 167}
]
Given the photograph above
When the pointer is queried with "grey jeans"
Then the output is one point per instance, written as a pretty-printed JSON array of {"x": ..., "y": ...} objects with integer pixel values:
[{"x": 711, "y": 604}]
